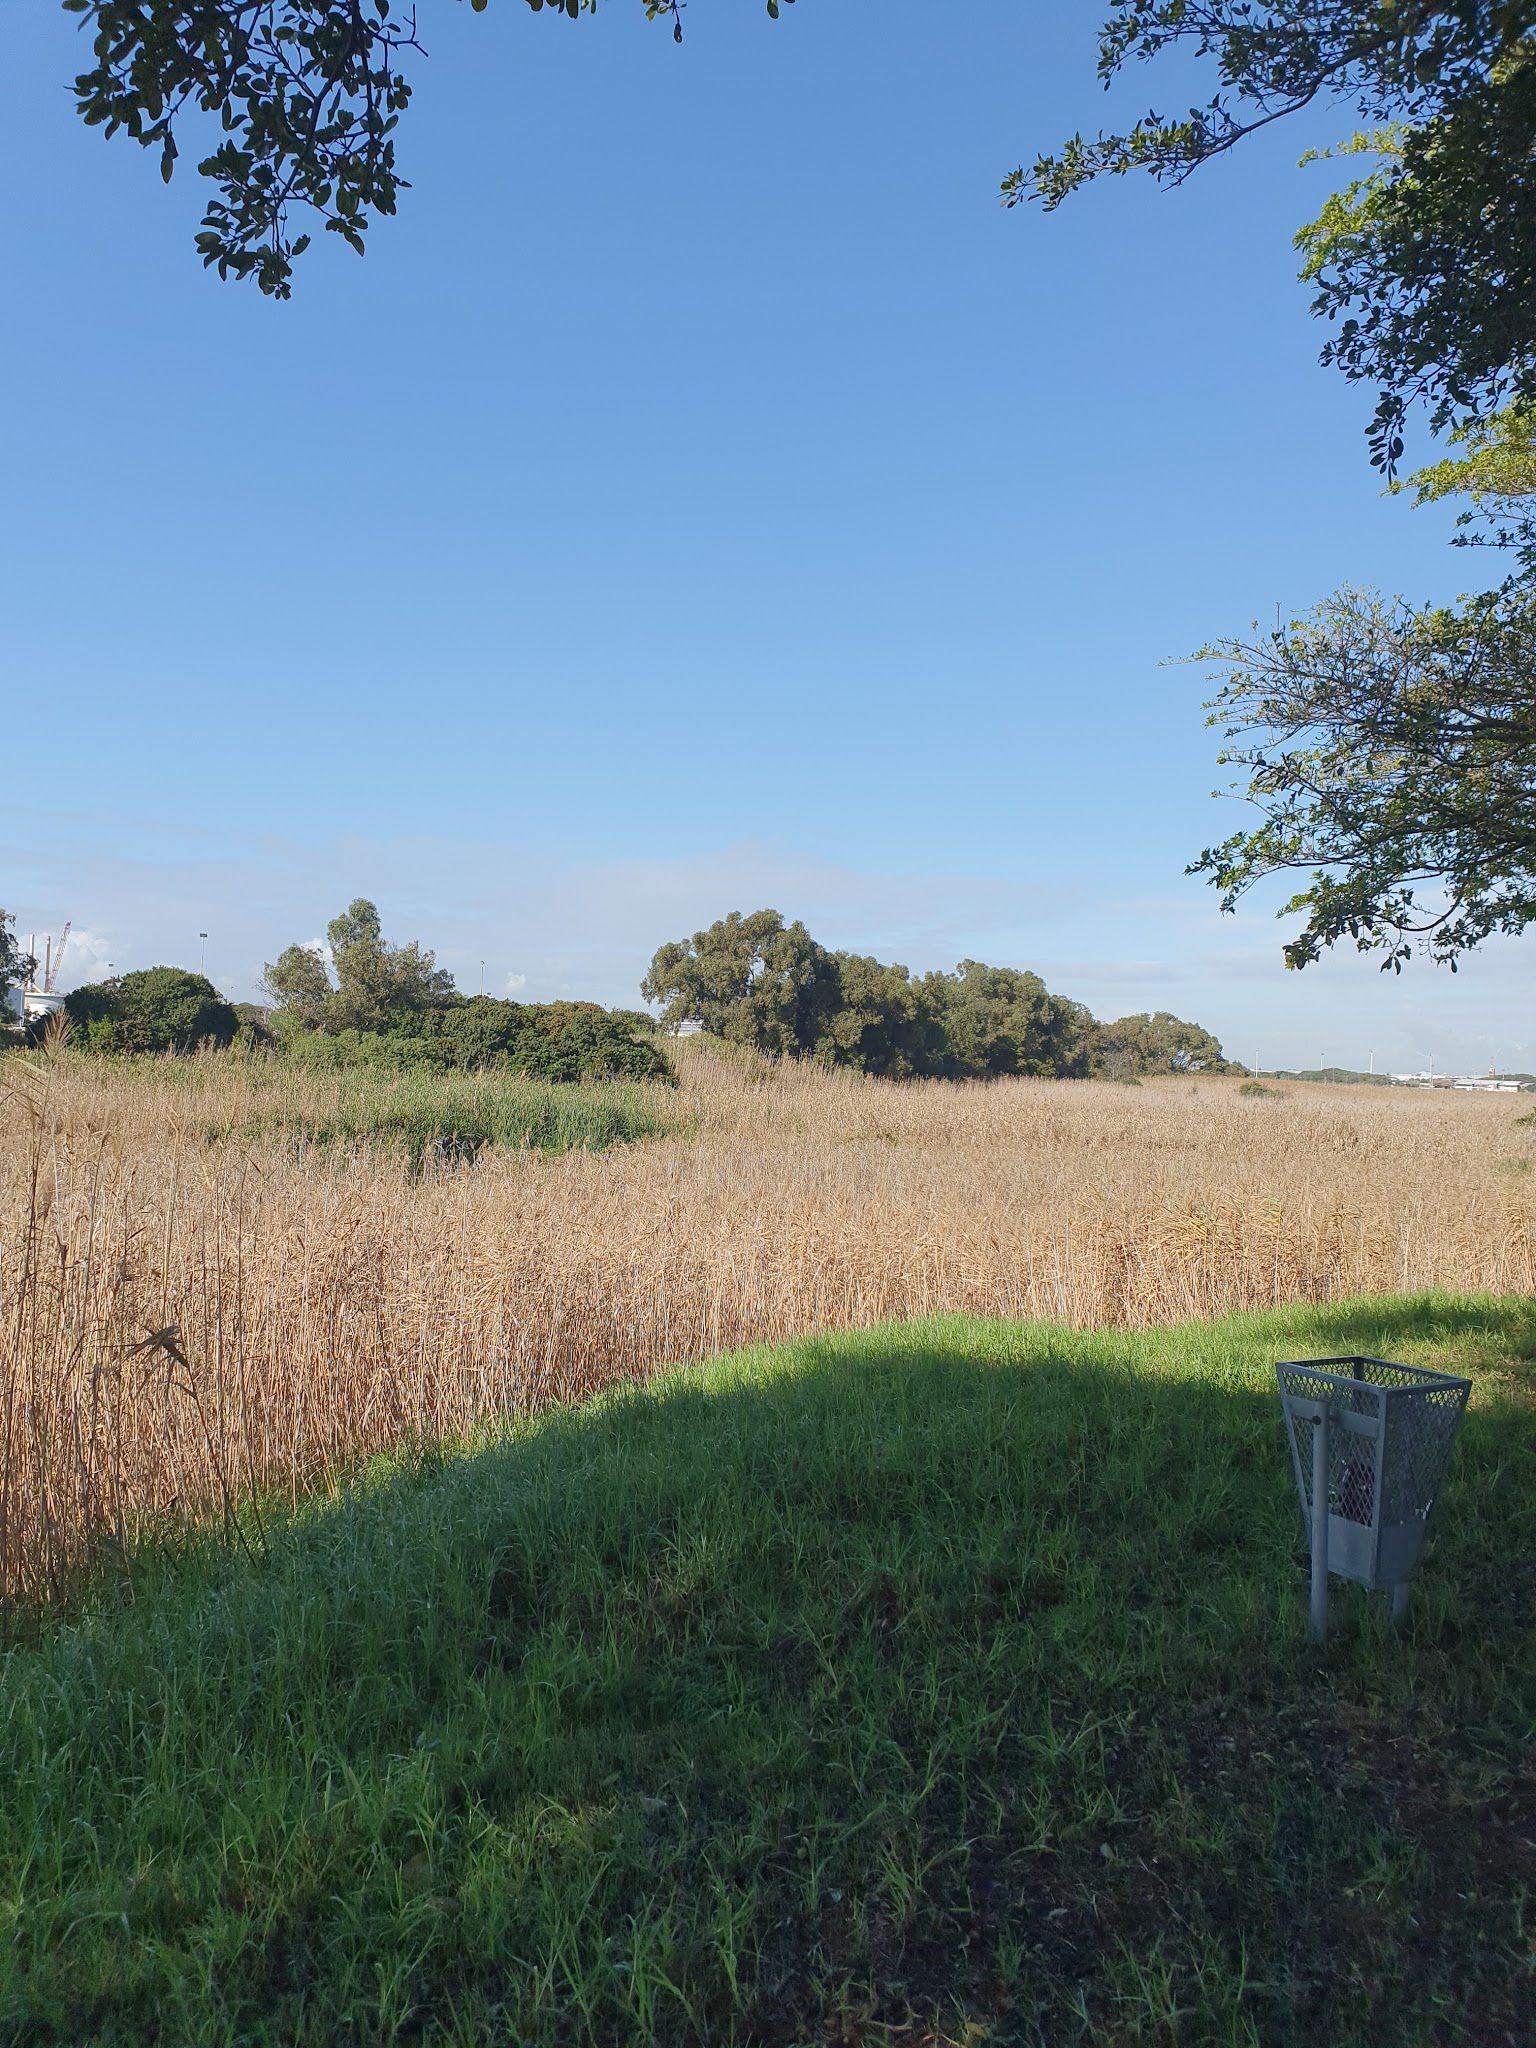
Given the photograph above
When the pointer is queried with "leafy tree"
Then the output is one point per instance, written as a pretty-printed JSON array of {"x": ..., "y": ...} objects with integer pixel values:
[
  {"x": 751, "y": 979},
  {"x": 482, "y": 1032},
  {"x": 1495, "y": 468},
  {"x": 154, "y": 1010},
  {"x": 1004, "y": 1020},
  {"x": 304, "y": 95},
  {"x": 1392, "y": 755},
  {"x": 978, "y": 1023},
  {"x": 299, "y": 983},
  {"x": 1155, "y": 1042},
  {"x": 376, "y": 986},
  {"x": 886, "y": 1021},
  {"x": 1389, "y": 749},
  {"x": 1427, "y": 265}
]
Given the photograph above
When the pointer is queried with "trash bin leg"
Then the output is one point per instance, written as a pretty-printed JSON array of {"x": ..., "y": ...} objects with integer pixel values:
[
  {"x": 1399, "y": 1602},
  {"x": 1320, "y": 1527}
]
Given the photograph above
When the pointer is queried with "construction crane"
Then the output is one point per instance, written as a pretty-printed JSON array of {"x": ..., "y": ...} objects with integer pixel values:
[{"x": 55, "y": 960}]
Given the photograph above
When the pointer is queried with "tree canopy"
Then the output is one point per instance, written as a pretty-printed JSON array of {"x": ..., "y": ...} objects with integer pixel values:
[
  {"x": 368, "y": 986},
  {"x": 751, "y": 979},
  {"x": 1425, "y": 266},
  {"x": 375, "y": 1003},
  {"x": 302, "y": 99},
  {"x": 1390, "y": 748},
  {"x": 754, "y": 980},
  {"x": 1391, "y": 752},
  {"x": 153, "y": 1010},
  {"x": 1155, "y": 1042}
]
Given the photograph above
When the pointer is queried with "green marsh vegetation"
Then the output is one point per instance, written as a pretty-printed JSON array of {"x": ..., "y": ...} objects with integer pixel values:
[{"x": 447, "y": 1119}]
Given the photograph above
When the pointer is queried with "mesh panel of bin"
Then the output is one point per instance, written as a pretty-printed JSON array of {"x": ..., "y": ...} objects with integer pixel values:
[
  {"x": 1420, "y": 1433},
  {"x": 1415, "y": 1412}
]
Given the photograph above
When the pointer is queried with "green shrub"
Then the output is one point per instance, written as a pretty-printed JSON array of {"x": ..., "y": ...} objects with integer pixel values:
[
  {"x": 154, "y": 1010},
  {"x": 565, "y": 1042},
  {"x": 482, "y": 1032},
  {"x": 559, "y": 1042},
  {"x": 1261, "y": 1088},
  {"x": 253, "y": 1032},
  {"x": 339, "y": 1052},
  {"x": 446, "y": 1119}
]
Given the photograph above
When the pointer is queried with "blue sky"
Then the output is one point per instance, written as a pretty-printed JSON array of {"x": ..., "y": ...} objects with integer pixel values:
[{"x": 702, "y": 495}]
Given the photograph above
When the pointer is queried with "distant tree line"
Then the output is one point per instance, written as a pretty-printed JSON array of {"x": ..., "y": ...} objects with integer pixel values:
[
  {"x": 750, "y": 979},
  {"x": 370, "y": 1004},
  {"x": 374, "y": 1001},
  {"x": 757, "y": 981}
]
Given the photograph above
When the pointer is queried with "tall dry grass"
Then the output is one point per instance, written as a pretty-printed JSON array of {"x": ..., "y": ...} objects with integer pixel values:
[{"x": 185, "y": 1320}]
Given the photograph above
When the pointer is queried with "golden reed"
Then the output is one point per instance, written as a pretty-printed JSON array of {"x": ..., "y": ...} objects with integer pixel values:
[{"x": 187, "y": 1319}]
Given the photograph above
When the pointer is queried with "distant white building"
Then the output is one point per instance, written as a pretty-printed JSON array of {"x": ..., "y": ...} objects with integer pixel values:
[
  {"x": 37, "y": 1003},
  {"x": 1477, "y": 1084},
  {"x": 31, "y": 1004}
]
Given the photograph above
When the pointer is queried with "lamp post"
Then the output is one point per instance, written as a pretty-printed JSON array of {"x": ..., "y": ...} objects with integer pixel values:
[{"x": 202, "y": 956}]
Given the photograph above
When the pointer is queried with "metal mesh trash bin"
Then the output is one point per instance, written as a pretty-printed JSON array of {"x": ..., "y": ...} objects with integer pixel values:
[{"x": 1370, "y": 1442}]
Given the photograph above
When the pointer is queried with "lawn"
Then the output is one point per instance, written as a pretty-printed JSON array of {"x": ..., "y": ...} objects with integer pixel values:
[{"x": 940, "y": 1683}]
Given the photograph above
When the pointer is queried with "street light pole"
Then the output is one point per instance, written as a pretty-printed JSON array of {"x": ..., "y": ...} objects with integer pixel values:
[{"x": 202, "y": 956}]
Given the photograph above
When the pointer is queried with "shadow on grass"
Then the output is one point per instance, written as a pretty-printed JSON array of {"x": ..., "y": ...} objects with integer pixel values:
[{"x": 883, "y": 1687}]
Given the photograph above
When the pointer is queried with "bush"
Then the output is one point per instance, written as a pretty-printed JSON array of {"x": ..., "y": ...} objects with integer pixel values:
[
  {"x": 155, "y": 1010},
  {"x": 253, "y": 1032},
  {"x": 445, "y": 1119},
  {"x": 338, "y": 1052},
  {"x": 1259, "y": 1088},
  {"x": 559, "y": 1042},
  {"x": 575, "y": 1042}
]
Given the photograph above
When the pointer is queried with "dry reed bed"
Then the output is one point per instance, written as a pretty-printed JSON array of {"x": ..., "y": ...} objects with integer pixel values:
[{"x": 182, "y": 1321}]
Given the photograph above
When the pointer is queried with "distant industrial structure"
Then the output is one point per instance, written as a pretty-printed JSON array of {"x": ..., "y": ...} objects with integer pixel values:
[
  {"x": 40, "y": 997},
  {"x": 1482, "y": 1084}
]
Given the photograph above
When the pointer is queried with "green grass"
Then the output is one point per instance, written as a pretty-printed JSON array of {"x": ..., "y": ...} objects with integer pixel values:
[
  {"x": 451, "y": 1118},
  {"x": 943, "y": 1682}
]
